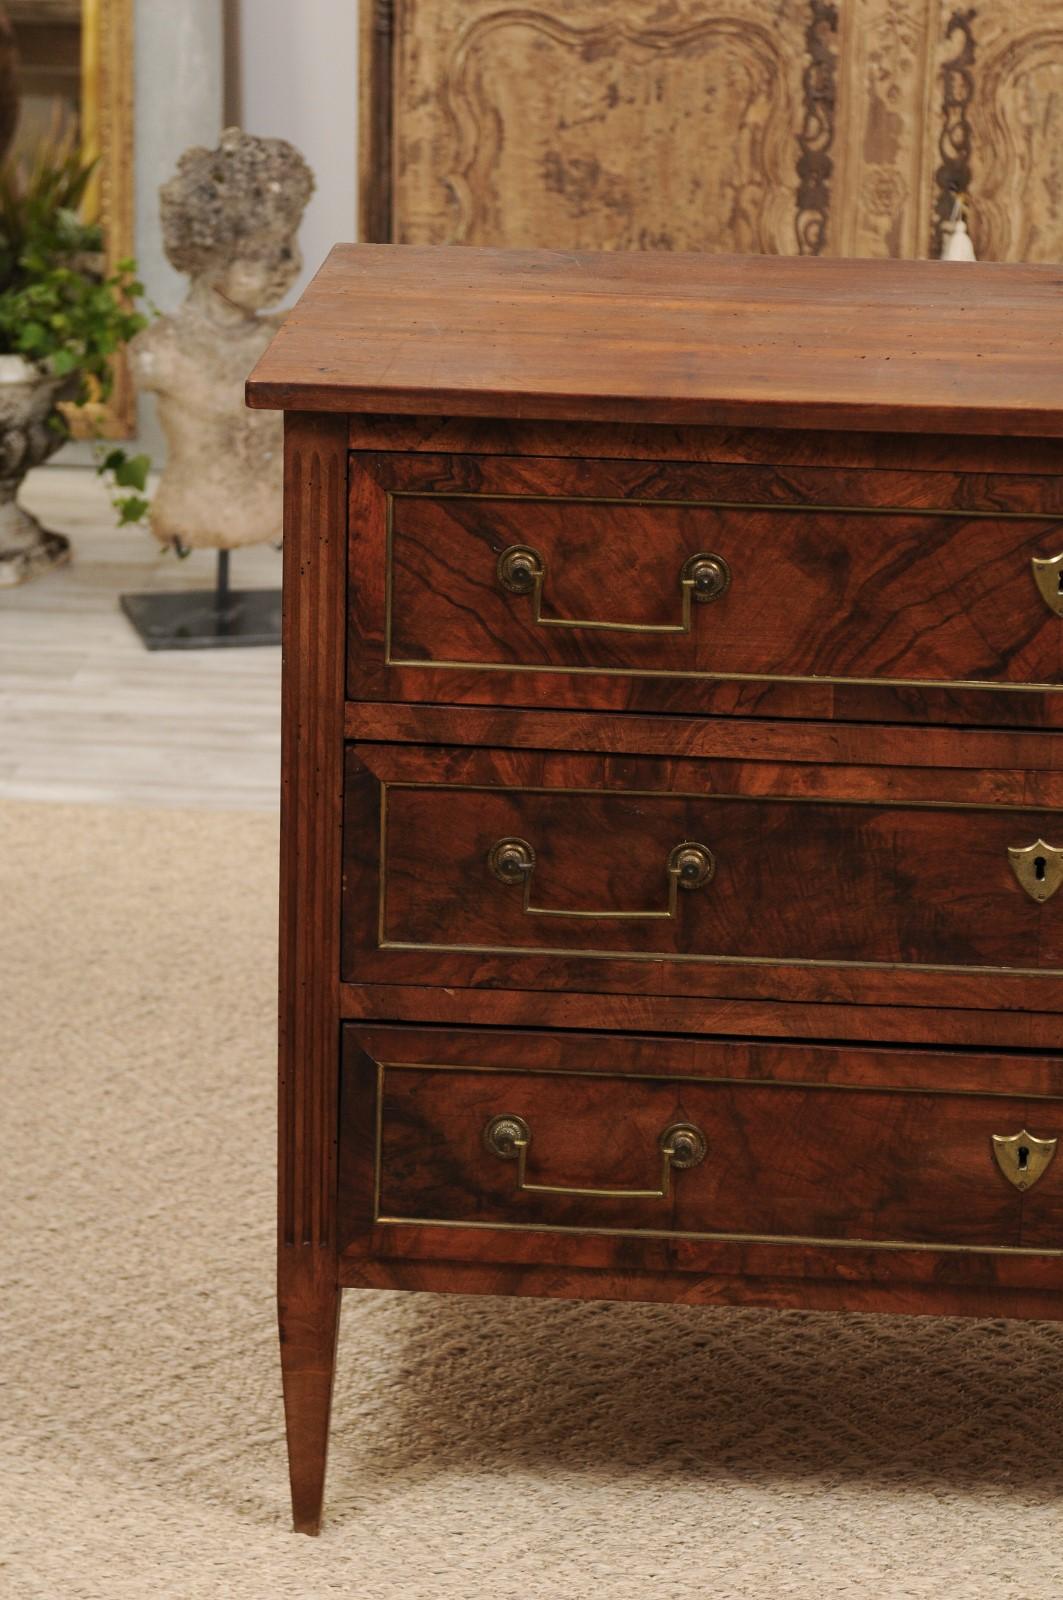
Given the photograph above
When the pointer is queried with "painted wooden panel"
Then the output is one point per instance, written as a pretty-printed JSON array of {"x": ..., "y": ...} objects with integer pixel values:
[
  {"x": 842, "y": 127},
  {"x": 518, "y": 125},
  {"x": 1015, "y": 116}
]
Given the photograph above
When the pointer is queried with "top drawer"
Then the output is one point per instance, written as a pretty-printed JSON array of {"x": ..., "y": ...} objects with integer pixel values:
[{"x": 642, "y": 585}]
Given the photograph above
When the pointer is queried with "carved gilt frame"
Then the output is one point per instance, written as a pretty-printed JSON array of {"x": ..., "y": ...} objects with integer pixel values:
[{"x": 107, "y": 134}]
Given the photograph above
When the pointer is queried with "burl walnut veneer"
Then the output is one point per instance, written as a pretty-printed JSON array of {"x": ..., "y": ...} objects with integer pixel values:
[{"x": 672, "y": 790}]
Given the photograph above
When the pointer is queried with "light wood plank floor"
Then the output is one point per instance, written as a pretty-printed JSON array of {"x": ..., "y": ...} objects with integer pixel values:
[{"x": 86, "y": 713}]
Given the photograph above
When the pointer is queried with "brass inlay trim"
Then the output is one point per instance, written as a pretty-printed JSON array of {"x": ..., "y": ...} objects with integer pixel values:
[
  {"x": 446, "y": 665},
  {"x": 723, "y": 1081},
  {"x": 727, "y": 1238},
  {"x": 379, "y": 1137},
  {"x": 675, "y": 1233},
  {"x": 726, "y": 505},
  {"x": 384, "y": 943},
  {"x": 887, "y": 804}
]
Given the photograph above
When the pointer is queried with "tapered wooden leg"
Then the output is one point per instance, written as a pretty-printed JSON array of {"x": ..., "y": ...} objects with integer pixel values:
[
  {"x": 309, "y": 1310},
  {"x": 312, "y": 741}
]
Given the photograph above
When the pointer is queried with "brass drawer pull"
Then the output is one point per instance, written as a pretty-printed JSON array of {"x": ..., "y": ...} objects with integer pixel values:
[
  {"x": 1022, "y": 1158},
  {"x": 703, "y": 577},
  {"x": 1038, "y": 868},
  {"x": 681, "y": 1146},
  {"x": 1048, "y": 576},
  {"x": 689, "y": 866}
]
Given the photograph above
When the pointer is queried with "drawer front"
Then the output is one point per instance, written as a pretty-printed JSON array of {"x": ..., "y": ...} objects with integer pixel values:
[
  {"x": 472, "y": 1134},
  {"x": 654, "y": 585},
  {"x": 524, "y": 871}
]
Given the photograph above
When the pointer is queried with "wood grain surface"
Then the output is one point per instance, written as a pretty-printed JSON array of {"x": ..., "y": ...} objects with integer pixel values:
[
  {"x": 855, "y": 1138},
  {"x": 862, "y": 994},
  {"x": 731, "y": 340},
  {"x": 930, "y": 452},
  {"x": 1030, "y": 757},
  {"x": 975, "y": 1027},
  {"x": 783, "y": 1161},
  {"x": 832, "y": 884},
  {"x": 315, "y": 482},
  {"x": 923, "y": 1285},
  {"x": 890, "y": 592}
]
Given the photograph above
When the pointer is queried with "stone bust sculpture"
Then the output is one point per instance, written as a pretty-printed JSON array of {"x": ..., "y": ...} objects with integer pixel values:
[{"x": 229, "y": 220}]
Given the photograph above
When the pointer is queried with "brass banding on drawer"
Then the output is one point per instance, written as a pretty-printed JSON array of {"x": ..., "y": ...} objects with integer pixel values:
[
  {"x": 770, "y": 1161},
  {"x": 569, "y": 572},
  {"x": 515, "y": 881}
]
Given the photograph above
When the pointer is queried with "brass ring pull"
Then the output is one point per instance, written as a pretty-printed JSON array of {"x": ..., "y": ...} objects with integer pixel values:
[
  {"x": 689, "y": 866},
  {"x": 703, "y": 577},
  {"x": 1022, "y": 1157},
  {"x": 681, "y": 1146}
]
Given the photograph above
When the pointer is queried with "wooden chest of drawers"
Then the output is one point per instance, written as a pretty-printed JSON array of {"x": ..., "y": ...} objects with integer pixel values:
[{"x": 672, "y": 801}]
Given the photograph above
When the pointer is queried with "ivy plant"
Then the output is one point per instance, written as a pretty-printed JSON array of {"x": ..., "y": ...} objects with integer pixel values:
[{"x": 59, "y": 306}]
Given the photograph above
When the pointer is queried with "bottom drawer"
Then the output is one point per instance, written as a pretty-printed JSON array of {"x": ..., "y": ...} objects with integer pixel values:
[{"x": 703, "y": 1139}]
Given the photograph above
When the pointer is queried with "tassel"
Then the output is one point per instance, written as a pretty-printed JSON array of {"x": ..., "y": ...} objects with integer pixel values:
[{"x": 958, "y": 246}]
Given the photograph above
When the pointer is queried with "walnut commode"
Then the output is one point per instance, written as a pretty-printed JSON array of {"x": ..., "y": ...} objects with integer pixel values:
[{"x": 672, "y": 787}]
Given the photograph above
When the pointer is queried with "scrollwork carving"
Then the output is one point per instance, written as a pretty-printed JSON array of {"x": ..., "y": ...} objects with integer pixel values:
[
  {"x": 953, "y": 176},
  {"x": 535, "y": 112},
  {"x": 815, "y": 165},
  {"x": 1017, "y": 143}
]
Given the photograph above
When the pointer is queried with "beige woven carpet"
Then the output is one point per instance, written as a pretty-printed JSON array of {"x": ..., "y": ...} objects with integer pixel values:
[{"x": 480, "y": 1449}]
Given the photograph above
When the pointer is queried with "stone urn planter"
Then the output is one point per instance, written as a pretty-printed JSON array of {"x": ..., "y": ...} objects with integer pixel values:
[{"x": 28, "y": 435}]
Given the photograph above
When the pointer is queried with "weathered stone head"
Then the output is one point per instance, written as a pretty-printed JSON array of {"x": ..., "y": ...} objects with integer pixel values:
[{"x": 230, "y": 217}]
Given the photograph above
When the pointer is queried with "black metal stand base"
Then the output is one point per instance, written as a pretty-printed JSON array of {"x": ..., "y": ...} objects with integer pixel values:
[{"x": 206, "y": 619}]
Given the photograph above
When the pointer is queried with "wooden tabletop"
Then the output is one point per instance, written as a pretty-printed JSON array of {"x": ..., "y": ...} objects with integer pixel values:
[{"x": 946, "y": 347}]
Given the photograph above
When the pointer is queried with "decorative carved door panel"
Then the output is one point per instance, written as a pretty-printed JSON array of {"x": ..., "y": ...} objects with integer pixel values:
[
  {"x": 841, "y": 127},
  {"x": 1015, "y": 117}
]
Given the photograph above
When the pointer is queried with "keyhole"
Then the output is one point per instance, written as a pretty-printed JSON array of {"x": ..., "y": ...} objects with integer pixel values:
[
  {"x": 1039, "y": 864},
  {"x": 1060, "y": 589},
  {"x": 1024, "y": 1157}
]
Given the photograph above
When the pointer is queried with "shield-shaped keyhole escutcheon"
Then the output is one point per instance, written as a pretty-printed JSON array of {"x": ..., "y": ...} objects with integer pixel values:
[
  {"x": 1022, "y": 1157},
  {"x": 1048, "y": 576},
  {"x": 1038, "y": 868}
]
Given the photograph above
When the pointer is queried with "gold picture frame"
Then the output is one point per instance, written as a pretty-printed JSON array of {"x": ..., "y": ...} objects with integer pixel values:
[
  {"x": 107, "y": 136},
  {"x": 76, "y": 71},
  {"x": 90, "y": 79}
]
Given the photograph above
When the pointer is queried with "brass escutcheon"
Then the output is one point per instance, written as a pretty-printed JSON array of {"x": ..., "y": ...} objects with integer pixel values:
[
  {"x": 681, "y": 1146},
  {"x": 1022, "y": 1157},
  {"x": 1048, "y": 576},
  {"x": 1038, "y": 868}
]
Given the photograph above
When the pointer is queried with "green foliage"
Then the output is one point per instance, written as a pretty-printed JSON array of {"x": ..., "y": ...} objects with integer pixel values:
[
  {"x": 126, "y": 472},
  {"x": 58, "y": 305}
]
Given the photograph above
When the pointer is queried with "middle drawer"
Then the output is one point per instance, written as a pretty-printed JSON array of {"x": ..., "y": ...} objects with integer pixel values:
[{"x": 518, "y": 869}]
